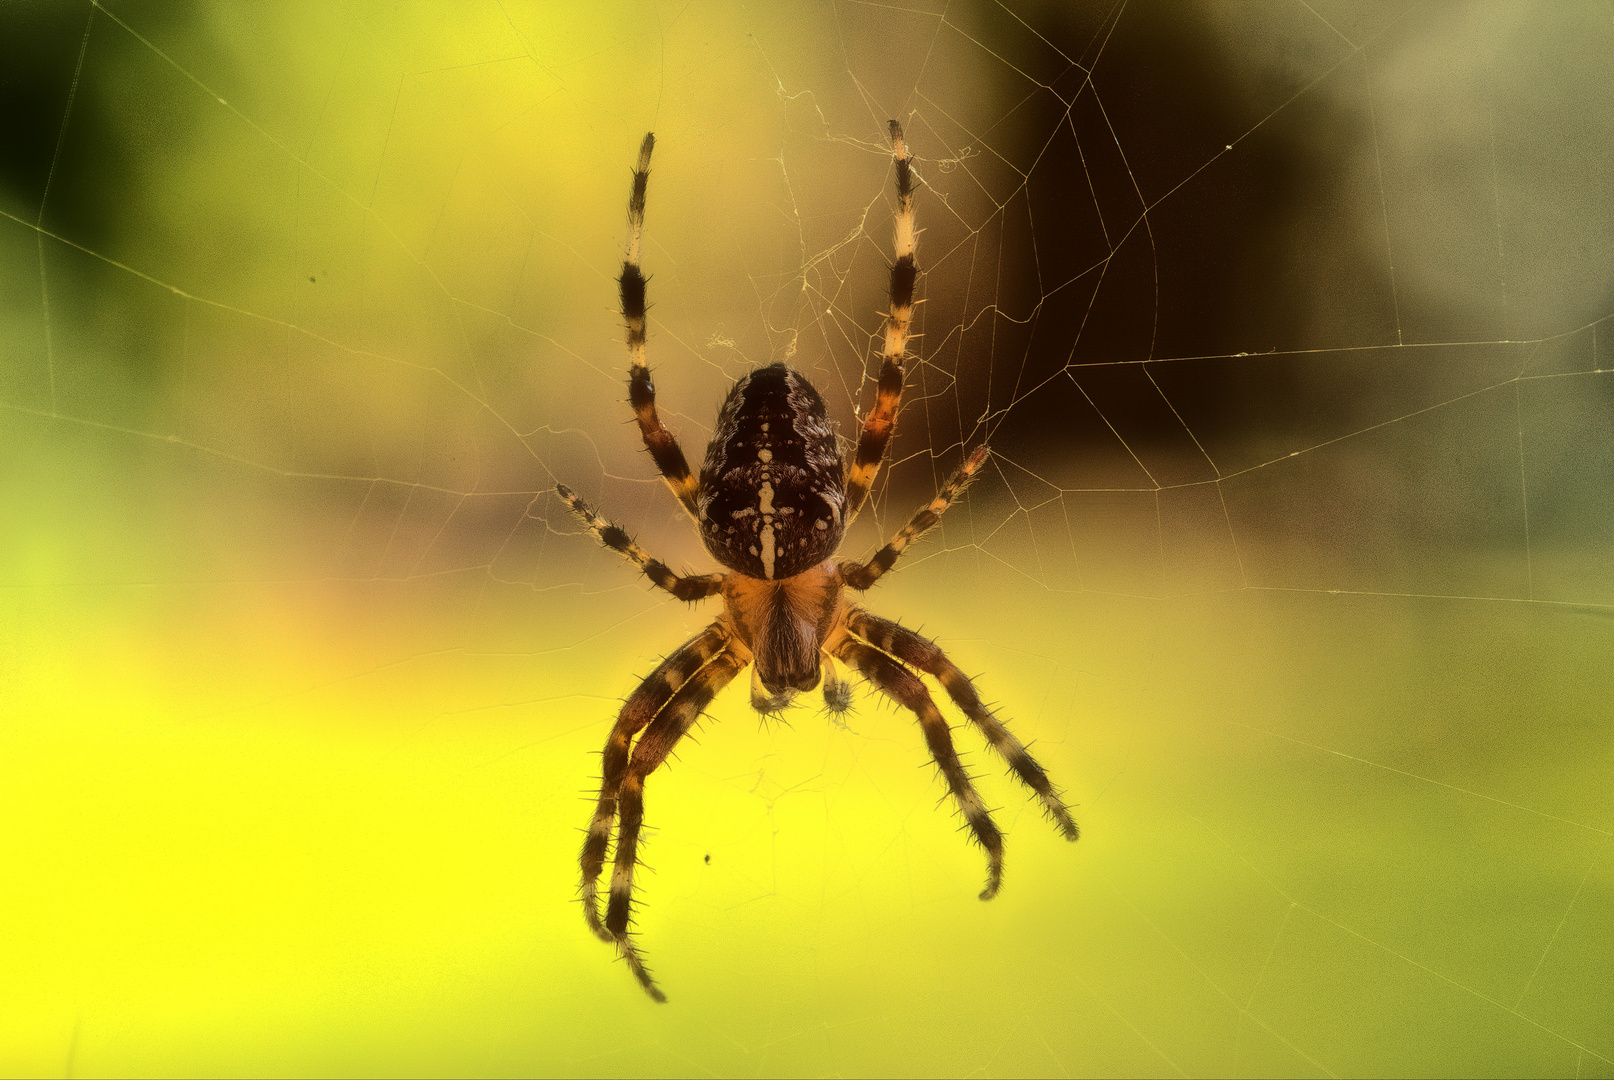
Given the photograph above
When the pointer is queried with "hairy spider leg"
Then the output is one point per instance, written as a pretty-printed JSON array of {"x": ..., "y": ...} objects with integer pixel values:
[
  {"x": 928, "y": 657},
  {"x": 643, "y": 705},
  {"x": 877, "y": 426},
  {"x": 663, "y": 447},
  {"x": 676, "y": 717},
  {"x": 893, "y": 678},
  {"x": 684, "y": 586},
  {"x": 864, "y": 575}
]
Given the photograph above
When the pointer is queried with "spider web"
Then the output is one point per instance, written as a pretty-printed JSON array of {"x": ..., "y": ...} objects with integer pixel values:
[{"x": 1289, "y": 324}]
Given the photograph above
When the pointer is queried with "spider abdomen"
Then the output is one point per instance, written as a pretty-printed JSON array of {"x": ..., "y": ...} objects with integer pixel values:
[{"x": 773, "y": 494}]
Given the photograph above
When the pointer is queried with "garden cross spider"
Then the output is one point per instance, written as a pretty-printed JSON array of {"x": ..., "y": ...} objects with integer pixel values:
[{"x": 772, "y": 502}]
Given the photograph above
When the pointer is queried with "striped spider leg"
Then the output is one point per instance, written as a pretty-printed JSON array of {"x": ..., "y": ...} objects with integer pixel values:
[
  {"x": 865, "y": 460},
  {"x": 631, "y": 289},
  {"x": 886, "y": 654},
  {"x": 663, "y": 708},
  {"x": 684, "y": 586}
]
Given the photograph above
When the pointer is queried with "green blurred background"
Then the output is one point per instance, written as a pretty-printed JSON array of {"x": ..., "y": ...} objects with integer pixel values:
[{"x": 1289, "y": 324}]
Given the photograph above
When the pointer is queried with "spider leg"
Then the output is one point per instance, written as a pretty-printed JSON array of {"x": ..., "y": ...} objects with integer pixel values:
[
  {"x": 864, "y": 575},
  {"x": 643, "y": 705},
  {"x": 877, "y": 426},
  {"x": 683, "y": 586},
  {"x": 675, "y": 718},
  {"x": 925, "y": 655},
  {"x": 663, "y": 447},
  {"x": 894, "y": 679}
]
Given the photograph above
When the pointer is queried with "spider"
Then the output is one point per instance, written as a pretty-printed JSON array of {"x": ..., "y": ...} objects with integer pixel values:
[{"x": 772, "y": 502}]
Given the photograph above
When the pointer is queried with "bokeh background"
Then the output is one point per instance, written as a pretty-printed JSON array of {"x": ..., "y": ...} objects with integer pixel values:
[{"x": 1291, "y": 325}]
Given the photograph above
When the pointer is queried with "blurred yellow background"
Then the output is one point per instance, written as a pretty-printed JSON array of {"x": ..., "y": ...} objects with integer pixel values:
[{"x": 1296, "y": 561}]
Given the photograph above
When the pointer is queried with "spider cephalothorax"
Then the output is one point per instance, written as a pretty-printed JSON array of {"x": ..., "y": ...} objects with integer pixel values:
[{"x": 772, "y": 502}]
